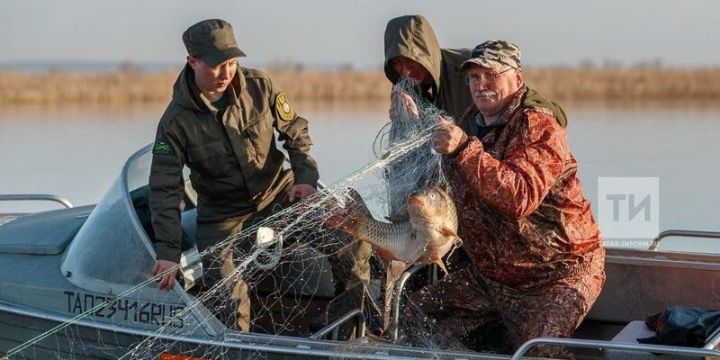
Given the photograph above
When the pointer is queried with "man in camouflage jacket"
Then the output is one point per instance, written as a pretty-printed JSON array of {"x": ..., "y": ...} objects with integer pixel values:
[{"x": 536, "y": 254}]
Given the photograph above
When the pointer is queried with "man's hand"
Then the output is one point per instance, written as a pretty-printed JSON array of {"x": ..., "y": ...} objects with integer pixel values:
[
  {"x": 402, "y": 98},
  {"x": 300, "y": 191},
  {"x": 167, "y": 279},
  {"x": 447, "y": 137}
]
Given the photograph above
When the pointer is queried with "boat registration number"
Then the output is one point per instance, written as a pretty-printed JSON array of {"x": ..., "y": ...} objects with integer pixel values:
[{"x": 124, "y": 309}]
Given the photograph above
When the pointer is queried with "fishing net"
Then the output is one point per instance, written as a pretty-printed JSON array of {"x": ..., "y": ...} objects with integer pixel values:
[
  {"x": 301, "y": 274},
  {"x": 417, "y": 165}
]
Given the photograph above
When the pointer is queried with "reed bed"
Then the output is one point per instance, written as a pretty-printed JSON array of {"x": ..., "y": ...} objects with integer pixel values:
[
  {"x": 627, "y": 84},
  {"x": 58, "y": 88}
]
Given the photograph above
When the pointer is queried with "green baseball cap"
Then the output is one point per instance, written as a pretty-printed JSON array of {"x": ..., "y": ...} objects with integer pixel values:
[
  {"x": 493, "y": 53},
  {"x": 212, "y": 41}
]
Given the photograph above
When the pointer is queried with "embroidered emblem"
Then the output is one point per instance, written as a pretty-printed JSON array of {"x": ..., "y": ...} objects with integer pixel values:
[
  {"x": 162, "y": 148},
  {"x": 283, "y": 108}
]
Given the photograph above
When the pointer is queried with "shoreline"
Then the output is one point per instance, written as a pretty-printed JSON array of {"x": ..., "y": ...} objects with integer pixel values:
[{"x": 564, "y": 85}]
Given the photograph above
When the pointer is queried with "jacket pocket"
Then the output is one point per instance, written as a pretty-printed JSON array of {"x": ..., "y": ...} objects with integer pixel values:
[
  {"x": 210, "y": 160},
  {"x": 261, "y": 133}
]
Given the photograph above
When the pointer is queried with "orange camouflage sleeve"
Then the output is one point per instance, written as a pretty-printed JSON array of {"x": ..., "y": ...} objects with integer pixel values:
[{"x": 517, "y": 184}]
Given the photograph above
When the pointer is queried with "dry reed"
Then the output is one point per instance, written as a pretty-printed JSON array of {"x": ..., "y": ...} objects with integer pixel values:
[{"x": 561, "y": 84}]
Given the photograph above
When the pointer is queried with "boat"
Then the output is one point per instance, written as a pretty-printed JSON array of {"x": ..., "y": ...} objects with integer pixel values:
[{"x": 76, "y": 283}]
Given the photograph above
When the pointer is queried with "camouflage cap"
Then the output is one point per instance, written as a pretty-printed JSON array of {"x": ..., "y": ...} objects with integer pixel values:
[
  {"x": 212, "y": 41},
  {"x": 493, "y": 53}
]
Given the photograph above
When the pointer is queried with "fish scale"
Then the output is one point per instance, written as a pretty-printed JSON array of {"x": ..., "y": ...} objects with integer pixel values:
[{"x": 397, "y": 239}]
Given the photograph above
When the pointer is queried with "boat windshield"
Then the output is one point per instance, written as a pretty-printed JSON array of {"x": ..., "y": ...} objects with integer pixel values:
[{"x": 112, "y": 251}]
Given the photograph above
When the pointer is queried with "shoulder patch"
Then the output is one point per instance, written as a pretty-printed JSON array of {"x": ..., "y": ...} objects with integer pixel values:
[
  {"x": 162, "y": 148},
  {"x": 283, "y": 108}
]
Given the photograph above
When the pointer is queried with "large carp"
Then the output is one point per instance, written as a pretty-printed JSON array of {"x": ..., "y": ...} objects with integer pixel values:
[{"x": 429, "y": 233}]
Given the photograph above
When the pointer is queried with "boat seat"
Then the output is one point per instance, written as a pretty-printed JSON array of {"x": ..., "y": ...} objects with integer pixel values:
[
  {"x": 629, "y": 334},
  {"x": 641, "y": 282},
  {"x": 43, "y": 233}
]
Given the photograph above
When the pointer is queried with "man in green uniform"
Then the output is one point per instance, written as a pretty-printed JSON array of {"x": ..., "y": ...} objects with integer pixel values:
[{"x": 221, "y": 124}]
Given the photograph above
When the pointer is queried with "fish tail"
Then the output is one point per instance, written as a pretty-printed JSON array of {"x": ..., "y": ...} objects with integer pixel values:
[
  {"x": 357, "y": 204},
  {"x": 348, "y": 218}
]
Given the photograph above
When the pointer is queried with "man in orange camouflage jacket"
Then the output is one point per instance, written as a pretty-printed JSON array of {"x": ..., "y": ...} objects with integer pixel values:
[{"x": 537, "y": 257}]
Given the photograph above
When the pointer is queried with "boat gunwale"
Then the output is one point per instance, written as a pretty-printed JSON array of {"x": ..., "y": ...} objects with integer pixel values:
[{"x": 250, "y": 341}]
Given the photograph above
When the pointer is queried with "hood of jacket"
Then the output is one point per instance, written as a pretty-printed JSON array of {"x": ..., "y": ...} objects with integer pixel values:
[
  {"x": 185, "y": 92},
  {"x": 412, "y": 36}
]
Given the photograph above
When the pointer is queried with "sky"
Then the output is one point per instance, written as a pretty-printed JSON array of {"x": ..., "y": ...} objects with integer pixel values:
[{"x": 337, "y": 32}]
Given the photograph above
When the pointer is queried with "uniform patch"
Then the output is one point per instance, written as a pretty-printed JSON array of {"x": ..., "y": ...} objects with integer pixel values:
[
  {"x": 283, "y": 108},
  {"x": 162, "y": 148}
]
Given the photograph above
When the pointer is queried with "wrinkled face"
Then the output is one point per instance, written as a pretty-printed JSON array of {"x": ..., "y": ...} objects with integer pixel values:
[
  {"x": 492, "y": 88},
  {"x": 431, "y": 204},
  {"x": 212, "y": 81},
  {"x": 410, "y": 69}
]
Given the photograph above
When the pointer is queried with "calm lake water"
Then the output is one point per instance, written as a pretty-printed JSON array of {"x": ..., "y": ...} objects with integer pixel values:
[{"x": 78, "y": 152}]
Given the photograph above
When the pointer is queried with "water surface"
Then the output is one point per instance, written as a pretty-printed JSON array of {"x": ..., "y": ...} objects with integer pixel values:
[{"x": 78, "y": 152}]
